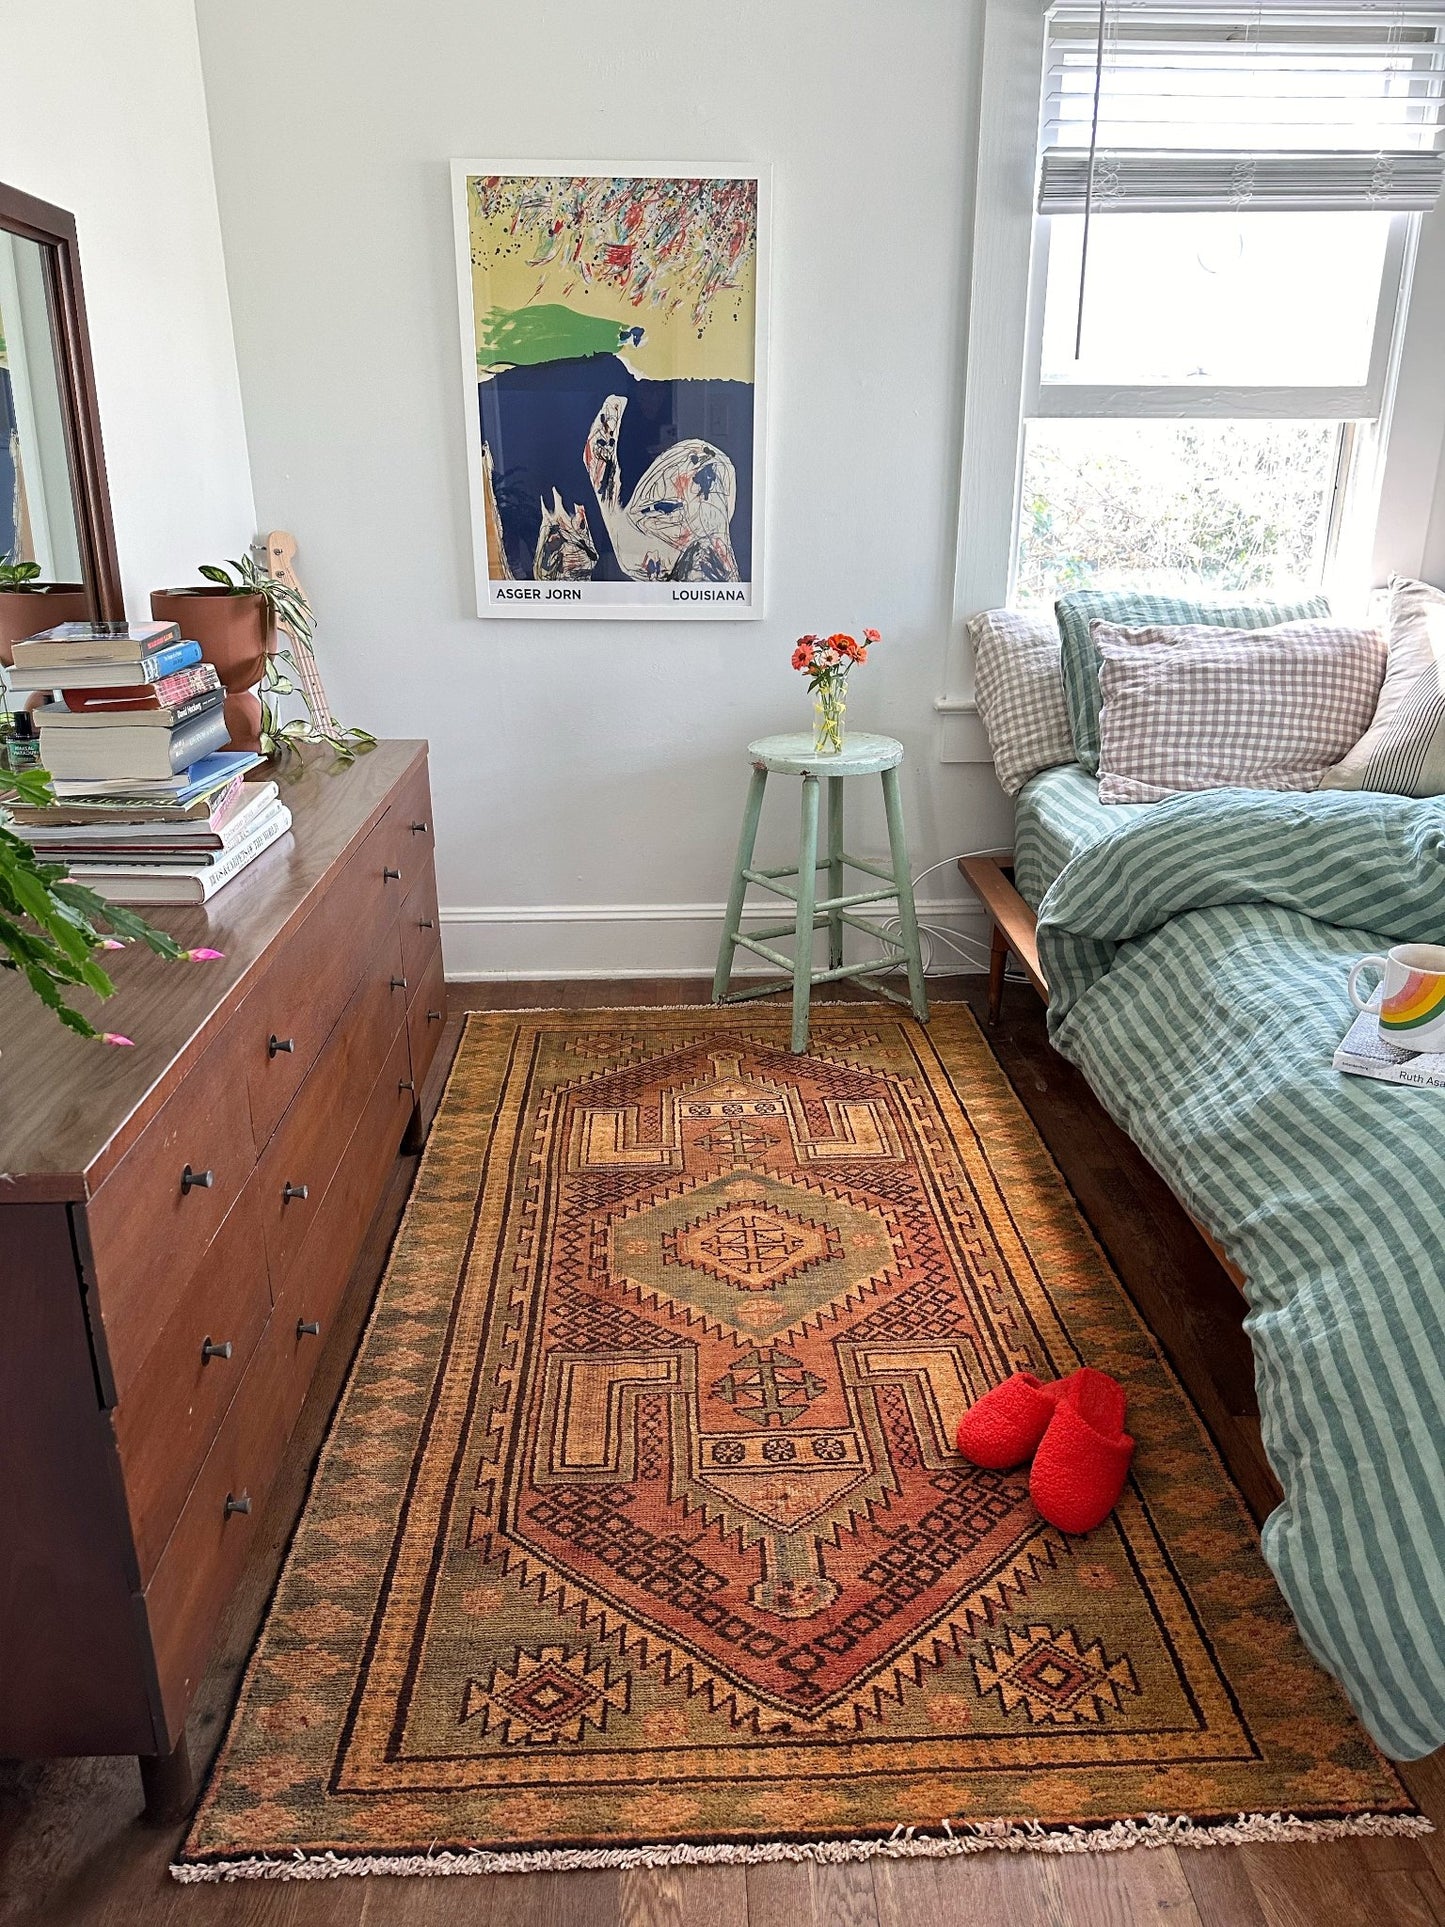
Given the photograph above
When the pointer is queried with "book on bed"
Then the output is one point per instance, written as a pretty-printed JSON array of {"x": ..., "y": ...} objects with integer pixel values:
[{"x": 1364, "y": 1053}]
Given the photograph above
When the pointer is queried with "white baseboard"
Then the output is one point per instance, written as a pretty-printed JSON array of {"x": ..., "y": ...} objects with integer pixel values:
[{"x": 564, "y": 940}]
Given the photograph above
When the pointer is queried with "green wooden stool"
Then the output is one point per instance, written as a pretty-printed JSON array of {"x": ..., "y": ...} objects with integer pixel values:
[{"x": 793, "y": 756}]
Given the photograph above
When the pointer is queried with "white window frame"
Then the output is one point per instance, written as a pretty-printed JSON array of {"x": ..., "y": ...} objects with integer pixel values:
[{"x": 1388, "y": 518}]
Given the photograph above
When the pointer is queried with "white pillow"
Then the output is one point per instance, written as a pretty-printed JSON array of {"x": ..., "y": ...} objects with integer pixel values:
[
  {"x": 1403, "y": 750},
  {"x": 1195, "y": 708},
  {"x": 1019, "y": 688}
]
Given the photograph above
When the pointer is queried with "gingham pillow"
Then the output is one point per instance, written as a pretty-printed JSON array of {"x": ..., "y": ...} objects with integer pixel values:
[
  {"x": 1020, "y": 694},
  {"x": 1202, "y": 708},
  {"x": 1081, "y": 607}
]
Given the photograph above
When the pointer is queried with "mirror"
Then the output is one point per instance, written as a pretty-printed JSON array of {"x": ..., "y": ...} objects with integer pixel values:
[
  {"x": 55, "y": 516},
  {"x": 38, "y": 521}
]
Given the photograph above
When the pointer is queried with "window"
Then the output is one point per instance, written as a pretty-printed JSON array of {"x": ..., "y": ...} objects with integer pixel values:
[{"x": 1227, "y": 211}]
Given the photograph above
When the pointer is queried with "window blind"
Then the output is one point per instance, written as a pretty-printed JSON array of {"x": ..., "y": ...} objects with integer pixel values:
[{"x": 1278, "y": 106}]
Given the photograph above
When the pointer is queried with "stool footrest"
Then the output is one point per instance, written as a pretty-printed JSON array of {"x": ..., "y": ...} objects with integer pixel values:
[
  {"x": 872, "y": 869},
  {"x": 765, "y": 950},
  {"x": 872, "y": 930},
  {"x": 846, "y": 903}
]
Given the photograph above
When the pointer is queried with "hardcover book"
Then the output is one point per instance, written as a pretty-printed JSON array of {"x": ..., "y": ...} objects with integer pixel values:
[
  {"x": 1364, "y": 1053},
  {"x": 195, "y": 883}
]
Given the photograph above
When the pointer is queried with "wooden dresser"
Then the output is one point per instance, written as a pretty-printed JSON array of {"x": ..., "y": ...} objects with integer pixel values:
[{"x": 177, "y": 1224}]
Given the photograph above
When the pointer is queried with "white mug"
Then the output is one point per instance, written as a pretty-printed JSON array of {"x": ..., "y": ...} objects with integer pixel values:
[{"x": 1412, "y": 998}]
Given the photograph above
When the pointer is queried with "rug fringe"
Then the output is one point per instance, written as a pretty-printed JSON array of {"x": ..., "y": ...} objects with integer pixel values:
[{"x": 982, "y": 1836}]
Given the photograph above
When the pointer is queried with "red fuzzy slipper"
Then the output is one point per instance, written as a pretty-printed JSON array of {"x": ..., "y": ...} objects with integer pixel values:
[
  {"x": 1083, "y": 1460},
  {"x": 1006, "y": 1424}
]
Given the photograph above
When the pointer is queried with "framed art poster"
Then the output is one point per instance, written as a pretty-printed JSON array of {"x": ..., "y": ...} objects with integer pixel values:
[{"x": 612, "y": 355}]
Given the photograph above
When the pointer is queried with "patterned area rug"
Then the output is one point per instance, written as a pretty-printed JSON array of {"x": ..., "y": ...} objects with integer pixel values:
[{"x": 640, "y": 1536}]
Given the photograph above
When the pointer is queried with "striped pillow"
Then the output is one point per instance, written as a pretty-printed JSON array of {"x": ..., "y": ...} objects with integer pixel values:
[
  {"x": 1403, "y": 750},
  {"x": 1202, "y": 708},
  {"x": 1020, "y": 694},
  {"x": 1081, "y": 666}
]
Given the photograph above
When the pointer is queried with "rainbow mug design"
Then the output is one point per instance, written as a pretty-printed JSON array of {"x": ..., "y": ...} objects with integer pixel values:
[{"x": 1412, "y": 997}]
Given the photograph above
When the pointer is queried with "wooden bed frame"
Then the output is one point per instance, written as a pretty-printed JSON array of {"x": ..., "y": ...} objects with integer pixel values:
[{"x": 1013, "y": 932}]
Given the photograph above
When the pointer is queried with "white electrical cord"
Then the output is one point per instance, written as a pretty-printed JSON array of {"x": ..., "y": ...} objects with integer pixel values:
[{"x": 969, "y": 948}]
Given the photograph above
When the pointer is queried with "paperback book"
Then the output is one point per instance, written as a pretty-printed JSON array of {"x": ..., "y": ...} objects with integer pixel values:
[
  {"x": 184, "y": 787},
  {"x": 148, "y": 841},
  {"x": 139, "y": 750},
  {"x": 89, "y": 674},
  {"x": 1364, "y": 1053},
  {"x": 210, "y": 804},
  {"x": 142, "y": 699}
]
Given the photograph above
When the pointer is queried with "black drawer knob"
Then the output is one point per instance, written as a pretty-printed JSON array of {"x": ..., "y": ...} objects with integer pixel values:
[
  {"x": 420, "y": 829},
  {"x": 210, "y": 1350},
  {"x": 389, "y": 875},
  {"x": 291, "y": 1191},
  {"x": 406, "y": 1084},
  {"x": 237, "y": 1502},
  {"x": 425, "y": 923},
  {"x": 308, "y": 1328},
  {"x": 275, "y": 1044},
  {"x": 191, "y": 1179},
  {"x": 398, "y": 983},
  {"x": 433, "y": 1016}
]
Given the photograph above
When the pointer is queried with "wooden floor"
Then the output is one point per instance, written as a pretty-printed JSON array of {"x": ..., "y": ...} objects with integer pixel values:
[{"x": 73, "y": 1849}]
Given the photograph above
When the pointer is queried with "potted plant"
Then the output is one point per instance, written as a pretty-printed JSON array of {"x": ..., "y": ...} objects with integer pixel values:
[
  {"x": 51, "y": 929},
  {"x": 28, "y": 604},
  {"x": 236, "y": 616}
]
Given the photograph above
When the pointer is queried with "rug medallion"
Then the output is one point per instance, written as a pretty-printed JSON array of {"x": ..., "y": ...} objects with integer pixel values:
[{"x": 640, "y": 1522}]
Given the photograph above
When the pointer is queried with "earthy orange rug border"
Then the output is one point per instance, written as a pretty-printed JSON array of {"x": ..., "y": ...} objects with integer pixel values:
[{"x": 1035, "y": 1194}]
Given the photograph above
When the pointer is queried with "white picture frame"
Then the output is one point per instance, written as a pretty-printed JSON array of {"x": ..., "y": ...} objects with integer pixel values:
[{"x": 652, "y": 512}]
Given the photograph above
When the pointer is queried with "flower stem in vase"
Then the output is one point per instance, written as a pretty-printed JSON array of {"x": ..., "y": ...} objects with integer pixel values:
[{"x": 830, "y": 702}]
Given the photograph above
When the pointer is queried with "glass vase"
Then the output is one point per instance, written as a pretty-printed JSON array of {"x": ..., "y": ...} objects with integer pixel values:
[{"x": 830, "y": 700}]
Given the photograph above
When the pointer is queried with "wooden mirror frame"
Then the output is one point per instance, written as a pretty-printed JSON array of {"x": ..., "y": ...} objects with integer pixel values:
[{"x": 54, "y": 229}]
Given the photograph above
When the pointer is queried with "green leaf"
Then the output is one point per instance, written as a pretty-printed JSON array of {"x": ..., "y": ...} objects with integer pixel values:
[{"x": 213, "y": 573}]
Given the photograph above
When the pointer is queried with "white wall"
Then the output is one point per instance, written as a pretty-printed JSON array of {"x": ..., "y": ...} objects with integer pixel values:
[
  {"x": 589, "y": 777},
  {"x": 102, "y": 112}
]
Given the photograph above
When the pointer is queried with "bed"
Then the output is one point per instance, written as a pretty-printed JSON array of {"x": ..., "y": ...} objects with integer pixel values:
[{"x": 1195, "y": 954}]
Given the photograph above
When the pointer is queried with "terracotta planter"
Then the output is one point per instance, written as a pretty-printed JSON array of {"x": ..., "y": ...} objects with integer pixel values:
[
  {"x": 24, "y": 611},
  {"x": 236, "y": 634}
]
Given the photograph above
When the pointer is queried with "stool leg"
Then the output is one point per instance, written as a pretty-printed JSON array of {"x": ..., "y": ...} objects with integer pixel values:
[
  {"x": 807, "y": 897},
  {"x": 903, "y": 886},
  {"x": 732, "y": 917},
  {"x": 835, "y": 869}
]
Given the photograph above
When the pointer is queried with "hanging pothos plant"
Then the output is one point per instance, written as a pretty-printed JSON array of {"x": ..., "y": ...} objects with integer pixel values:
[
  {"x": 52, "y": 929},
  {"x": 289, "y": 610}
]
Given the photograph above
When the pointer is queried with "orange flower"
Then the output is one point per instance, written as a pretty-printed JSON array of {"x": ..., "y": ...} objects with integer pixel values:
[{"x": 802, "y": 656}]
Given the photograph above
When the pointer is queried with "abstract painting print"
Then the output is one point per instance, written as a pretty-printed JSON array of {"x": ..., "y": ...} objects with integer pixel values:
[{"x": 612, "y": 364}]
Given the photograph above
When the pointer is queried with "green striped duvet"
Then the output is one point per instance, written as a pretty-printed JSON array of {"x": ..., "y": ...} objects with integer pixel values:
[{"x": 1196, "y": 960}]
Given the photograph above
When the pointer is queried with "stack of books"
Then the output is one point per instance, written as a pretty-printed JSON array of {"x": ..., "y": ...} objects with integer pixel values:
[{"x": 150, "y": 806}]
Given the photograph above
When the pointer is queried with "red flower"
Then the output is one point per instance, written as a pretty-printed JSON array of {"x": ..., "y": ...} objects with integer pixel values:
[
  {"x": 871, "y": 635},
  {"x": 802, "y": 656}
]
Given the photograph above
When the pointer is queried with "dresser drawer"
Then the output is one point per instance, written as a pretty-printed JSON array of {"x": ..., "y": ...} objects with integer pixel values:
[
  {"x": 426, "y": 1016},
  {"x": 411, "y": 839},
  {"x": 288, "y": 1017},
  {"x": 149, "y": 1224},
  {"x": 324, "y": 1264},
  {"x": 218, "y": 1525},
  {"x": 297, "y": 1165},
  {"x": 419, "y": 924},
  {"x": 171, "y": 1407}
]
